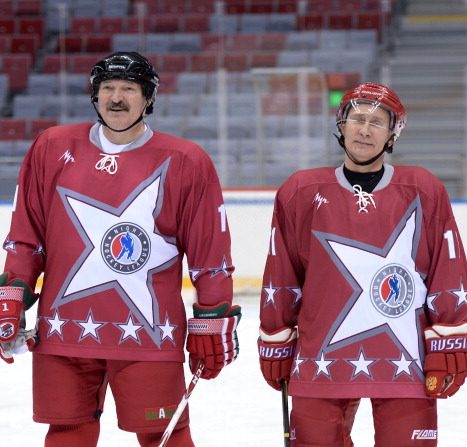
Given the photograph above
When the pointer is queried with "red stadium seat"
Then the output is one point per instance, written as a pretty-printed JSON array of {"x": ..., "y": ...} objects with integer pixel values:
[
  {"x": 272, "y": 41},
  {"x": 150, "y": 6},
  {"x": 203, "y": 7},
  {"x": 83, "y": 25},
  {"x": 205, "y": 61},
  {"x": 32, "y": 25},
  {"x": 28, "y": 7},
  {"x": 339, "y": 20},
  {"x": 38, "y": 125},
  {"x": 212, "y": 42},
  {"x": 263, "y": 59},
  {"x": 236, "y": 7},
  {"x": 98, "y": 43},
  {"x": 260, "y": 7},
  {"x": 13, "y": 129},
  {"x": 236, "y": 61},
  {"x": 310, "y": 22},
  {"x": 52, "y": 63},
  {"x": 6, "y": 8},
  {"x": 287, "y": 6},
  {"x": 172, "y": 6},
  {"x": 7, "y": 25},
  {"x": 196, "y": 23},
  {"x": 71, "y": 43},
  {"x": 167, "y": 23},
  {"x": 24, "y": 44},
  {"x": 5, "y": 46},
  {"x": 136, "y": 24},
  {"x": 242, "y": 41},
  {"x": 168, "y": 83},
  {"x": 17, "y": 67},
  {"x": 110, "y": 25},
  {"x": 170, "y": 62},
  {"x": 319, "y": 6},
  {"x": 83, "y": 63}
]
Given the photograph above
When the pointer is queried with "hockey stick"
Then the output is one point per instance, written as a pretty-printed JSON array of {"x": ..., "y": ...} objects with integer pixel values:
[
  {"x": 181, "y": 406},
  {"x": 285, "y": 413}
]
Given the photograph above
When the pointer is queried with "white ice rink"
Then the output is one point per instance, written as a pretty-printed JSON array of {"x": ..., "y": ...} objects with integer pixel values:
[{"x": 237, "y": 409}]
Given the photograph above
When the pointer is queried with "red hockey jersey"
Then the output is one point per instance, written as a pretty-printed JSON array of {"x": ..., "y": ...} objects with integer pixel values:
[
  {"x": 362, "y": 275},
  {"x": 110, "y": 233}
]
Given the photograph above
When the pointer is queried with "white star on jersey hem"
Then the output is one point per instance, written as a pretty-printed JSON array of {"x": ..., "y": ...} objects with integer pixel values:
[
  {"x": 167, "y": 330},
  {"x": 323, "y": 366},
  {"x": 403, "y": 365},
  {"x": 130, "y": 330},
  {"x": 89, "y": 327},
  {"x": 361, "y": 365},
  {"x": 55, "y": 324}
]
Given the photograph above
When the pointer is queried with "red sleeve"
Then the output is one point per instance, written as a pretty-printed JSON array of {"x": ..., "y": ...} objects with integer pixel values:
[
  {"x": 25, "y": 241},
  {"x": 283, "y": 274},
  {"x": 447, "y": 278},
  {"x": 204, "y": 233}
]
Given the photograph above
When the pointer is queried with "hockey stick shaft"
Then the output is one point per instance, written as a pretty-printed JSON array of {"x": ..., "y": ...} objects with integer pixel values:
[
  {"x": 181, "y": 406},
  {"x": 285, "y": 413}
]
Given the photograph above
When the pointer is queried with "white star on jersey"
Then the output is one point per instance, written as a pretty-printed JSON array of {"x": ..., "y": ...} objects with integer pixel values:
[
  {"x": 55, "y": 325},
  {"x": 461, "y": 294},
  {"x": 358, "y": 262},
  {"x": 90, "y": 274}
]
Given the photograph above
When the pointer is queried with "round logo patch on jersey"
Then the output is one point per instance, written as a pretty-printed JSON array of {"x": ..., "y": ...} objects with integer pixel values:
[
  {"x": 125, "y": 248},
  {"x": 392, "y": 290}
]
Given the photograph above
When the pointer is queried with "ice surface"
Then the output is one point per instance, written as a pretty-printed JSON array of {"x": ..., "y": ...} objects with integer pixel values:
[{"x": 237, "y": 409}]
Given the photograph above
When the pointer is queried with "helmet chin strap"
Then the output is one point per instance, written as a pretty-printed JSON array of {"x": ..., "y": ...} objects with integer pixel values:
[
  {"x": 101, "y": 120},
  {"x": 386, "y": 148},
  {"x": 366, "y": 162}
]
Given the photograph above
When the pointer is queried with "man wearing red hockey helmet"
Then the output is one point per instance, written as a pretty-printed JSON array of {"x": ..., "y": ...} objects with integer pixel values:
[
  {"x": 107, "y": 212},
  {"x": 364, "y": 288}
]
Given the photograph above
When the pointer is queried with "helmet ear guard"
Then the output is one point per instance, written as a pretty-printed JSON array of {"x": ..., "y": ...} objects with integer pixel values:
[{"x": 129, "y": 66}]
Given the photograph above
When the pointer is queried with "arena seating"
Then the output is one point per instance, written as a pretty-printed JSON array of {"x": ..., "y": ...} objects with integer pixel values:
[{"x": 47, "y": 49}]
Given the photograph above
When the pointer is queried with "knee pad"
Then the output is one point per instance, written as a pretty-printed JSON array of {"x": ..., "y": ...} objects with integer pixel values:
[
  {"x": 178, "y": 438},
  {"x": 77, "y": 435}
]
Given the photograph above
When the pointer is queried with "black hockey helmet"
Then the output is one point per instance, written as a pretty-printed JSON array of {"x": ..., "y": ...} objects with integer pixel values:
[{"x": 129, "y": 66}]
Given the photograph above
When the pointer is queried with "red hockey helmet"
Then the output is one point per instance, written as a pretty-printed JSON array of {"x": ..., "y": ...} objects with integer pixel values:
[{"x": 379, "y": 96}]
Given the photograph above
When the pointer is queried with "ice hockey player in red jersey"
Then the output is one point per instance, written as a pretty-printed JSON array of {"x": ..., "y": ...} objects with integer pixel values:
[
  {"x": 365, "y": 288},
  {"x": 107, "y": 211}
]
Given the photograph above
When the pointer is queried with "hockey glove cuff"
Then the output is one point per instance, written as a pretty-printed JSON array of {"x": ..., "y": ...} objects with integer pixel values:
[
  {"x": 212, "y": 337},
  {"x": 446, "y": 359},
  {"x": 13, "y": 298},
  {"x": 276, "y": 354}
]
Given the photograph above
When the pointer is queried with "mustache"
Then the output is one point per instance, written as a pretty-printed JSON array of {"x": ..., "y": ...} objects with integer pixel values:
[{"x": 117, "y": 106}]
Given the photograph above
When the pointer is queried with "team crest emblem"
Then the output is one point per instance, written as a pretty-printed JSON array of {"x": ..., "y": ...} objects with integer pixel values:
[
  {"x": 125, "y": 248},
  {"x": 392, "y": 291}
]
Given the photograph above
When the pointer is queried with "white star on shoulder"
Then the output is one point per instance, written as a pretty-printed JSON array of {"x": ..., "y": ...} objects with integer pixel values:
[
  {"x": 361, "y": 364},
  {"x": 130, "y": 329},
  {"x": 56, "y": 324},
  {"x": 89, "y": 327}
]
